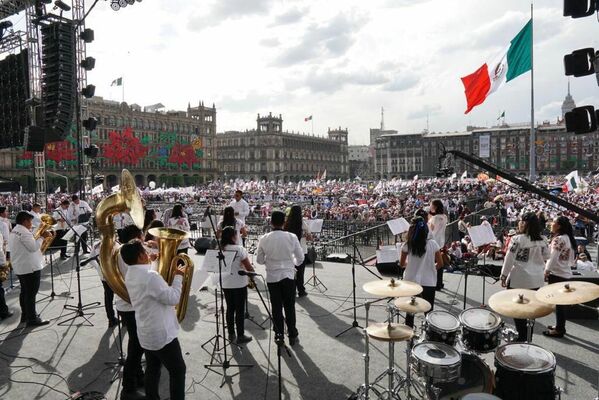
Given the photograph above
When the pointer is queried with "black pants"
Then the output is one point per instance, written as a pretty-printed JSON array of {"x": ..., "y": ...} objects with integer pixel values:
[
  {"x": 299, "y": 277},
  {"x": 522, "y": 326},
  {"x": 440, "y": 278},
  {"x": 30, "y": 284},
  {"x": 428, "y": 294},
  {"x": 182, "y": 251},
  {"x": 132, "y": 370},
  {"x": 61, "y": 244},
  {"x": 236, "y": 299},
  {"x": 3, "y": 306},
  {"x": 170, "y": 356},
  {"x": 282, "y": 296},
  {"x": 82, "y": 241},
  {"x": 108, "y": 300},
  {"x": 560, "y": 311}
]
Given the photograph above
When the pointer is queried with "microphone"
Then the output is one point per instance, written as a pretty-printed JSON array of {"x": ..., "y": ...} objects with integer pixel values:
[
  {"x": 247, "y": 273},
  {"x": 85, "y": 262}
]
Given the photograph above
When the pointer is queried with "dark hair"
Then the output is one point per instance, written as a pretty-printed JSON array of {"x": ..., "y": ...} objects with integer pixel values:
[
  {"x": 439, "y": 207},
  {"x": 2, "y": 209},
  {"x": 149, "y": 216},
  {"x": 533, "y": 226},
  {"x": 239, "y": 191},
  {"x": 154, "y": 224},
  {"x": 565, "y": 228},
  {"x": 277, "y": 218},
  {"x": 228, "y": 236},
  {"x": 74, "y": 197},
  {"x": 130, "y": 232},
  {"x": 228, "y": 217},
  {"x": 421, "y": 213},
  {"x": 131, "y": 251},
  {"x": 36, "y": 205},
  {"x": 177, "y": 211},
  {"x": 65, "y": 202},
  {"x": 417, "y": 237},
  {"x": 293, "y": 223},
  {"x": 23, "y": 216}
]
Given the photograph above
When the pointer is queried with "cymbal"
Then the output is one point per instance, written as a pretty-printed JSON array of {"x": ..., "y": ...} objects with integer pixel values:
[
  {"x": 392, "y": 288},
  {"x": 567, "y": 293},
  {"x": 389, "y": 332},
  {"x": 519, "y": 303},
  {"x": 412, "y": 305}
]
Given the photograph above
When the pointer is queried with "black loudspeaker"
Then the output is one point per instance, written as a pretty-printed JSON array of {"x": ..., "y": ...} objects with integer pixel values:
[
  {"x": 391, "y": 269},
  {"x": 34, "y": 139},
  {"x": 203, "y": 244},
  {"x": 59, "y": 79},
  {"x": 14, "y": 92}
]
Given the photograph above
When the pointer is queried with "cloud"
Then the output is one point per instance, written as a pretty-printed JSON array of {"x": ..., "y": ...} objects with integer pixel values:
[
  {"x": 290, "y": 16},
  {"x": 403, "y": 3},
  {"x": 270, "y": 42},
  {"x": 404, "y": 81},
  {"x": 426, "y": 111},
  {"x": 330, "y": 39},
  {"x": 253, "y": 101},
  {"x": 223, "y": 10},
  {"x": 330, "y": 81}
]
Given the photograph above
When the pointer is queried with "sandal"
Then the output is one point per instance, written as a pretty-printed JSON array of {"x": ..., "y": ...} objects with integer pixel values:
[{"x": 554, "y": 333}]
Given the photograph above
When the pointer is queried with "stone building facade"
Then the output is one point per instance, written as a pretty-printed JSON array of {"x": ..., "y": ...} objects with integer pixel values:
[
  {"x": 171, "y": 147},
  {"x": 269, "y": 153}
]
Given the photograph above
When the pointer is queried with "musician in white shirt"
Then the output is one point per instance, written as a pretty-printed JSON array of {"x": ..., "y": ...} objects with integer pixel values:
[
  {"x": 61, "y": 227},
  {"x": 157, "y": 327},
  {"x": 179, "y": 221},
  {"x": 4, "y": 311},
  {"x": 280, "y": 252},
  {"x": 241, "y": 207},
  {"x": 36, "y": 211},
  {"x": 79, "y": 212},
  {"x": 27, "y": 262},
  {"x": 5, "y": 227}
]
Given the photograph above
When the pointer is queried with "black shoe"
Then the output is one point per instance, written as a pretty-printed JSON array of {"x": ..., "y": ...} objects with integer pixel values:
[
  {"x": 280, "y": 340},
  {"x": 243, "y": 339},
  {"x": 132, "y": 395},
  {"x": 232, "y": 337},
  {"x": 7, "y": 315},
  {"x": 554, "y": 333},
  {"x": 112, "y": 322},
  {"x": 302, "y": 294},
  {"x": 64, "y": 257},
  {"x": 38, "y": 322},
  {"x": 293, "y": 340}
]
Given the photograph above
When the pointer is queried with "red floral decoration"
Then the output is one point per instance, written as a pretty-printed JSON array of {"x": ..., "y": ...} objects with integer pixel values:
[
  {"x": 124, "y": 148},
  {"x": 183, "y": 154},
  {"x": 60, "y": 151}
]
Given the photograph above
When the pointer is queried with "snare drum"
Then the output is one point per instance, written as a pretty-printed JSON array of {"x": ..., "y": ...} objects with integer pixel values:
[
  {"x": 475, "y": 377},
  {"x": 524, "y": 371},
  {"x": 441, "y": 326},
  {"x": 436, "y": 361},
  {"x": 481, "y": 329}
]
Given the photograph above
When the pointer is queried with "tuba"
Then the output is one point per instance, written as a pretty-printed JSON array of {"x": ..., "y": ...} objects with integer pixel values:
[
  {"x": 127, "y": 200},
  {"x": 168, "y": 240},
  {"x": 47, "y": 223}
]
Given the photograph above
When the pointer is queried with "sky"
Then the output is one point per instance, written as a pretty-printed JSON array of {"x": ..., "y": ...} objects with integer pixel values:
[{"x": 337, "y": 60}]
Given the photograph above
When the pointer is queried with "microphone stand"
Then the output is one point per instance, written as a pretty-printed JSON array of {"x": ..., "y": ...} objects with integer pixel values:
[
  {"x": 120, "y": 362},
  {"x": 224, "y": 361},
  {"x": 79, "y": 309},
  {"x": 52, "y": 293}
]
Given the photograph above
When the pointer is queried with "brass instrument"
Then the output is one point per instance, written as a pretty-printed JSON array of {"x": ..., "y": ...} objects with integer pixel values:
[
  {"x": 47, "y": 223},
  {"x": 168, "y": 240},
  {"x": 251, "y": 283},
  {"x": 127, "y": 200},
  {"x": 5, "y": 271}
]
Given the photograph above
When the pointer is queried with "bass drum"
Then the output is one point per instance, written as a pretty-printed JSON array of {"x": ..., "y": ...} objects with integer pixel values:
[{"x": 475, "y": 377}]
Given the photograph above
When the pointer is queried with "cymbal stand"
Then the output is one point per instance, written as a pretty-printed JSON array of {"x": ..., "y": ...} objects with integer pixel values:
[
  {"x": 391, "y": 373},
  {"x": 529, "y": 324}
]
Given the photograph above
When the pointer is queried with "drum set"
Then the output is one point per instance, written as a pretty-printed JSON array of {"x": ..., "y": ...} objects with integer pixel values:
[{"x": 444, "y": 355}]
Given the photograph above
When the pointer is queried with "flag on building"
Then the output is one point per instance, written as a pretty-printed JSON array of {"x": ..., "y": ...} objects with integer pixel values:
[
  {"x": 513, "y": 61},
  {"x": 324, "y": 175},
  {"x": 501, "y": 116},
  {"x": 98, "y": 189},
  {"x": 308, "y": 119},
  {"x": 572, "y": 182},
  {"x": 117, "y": 82}
]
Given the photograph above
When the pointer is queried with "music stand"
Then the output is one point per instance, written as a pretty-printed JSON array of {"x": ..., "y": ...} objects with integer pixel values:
[
  {"x": 80, "y": 309},
  {"x": 314, "y": 281},
  {"x": 52, "y": 293},
  {"x": 482, "y": 235}
]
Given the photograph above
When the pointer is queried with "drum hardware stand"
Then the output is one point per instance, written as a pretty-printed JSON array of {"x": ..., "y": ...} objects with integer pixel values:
[
  {"x": 250, "y": 318},
  {"x": 52, "y": 293},
  {"x": 79, "y": 309},
  {"x": 224, "y": 361},
  {"x": 120, "y": 362},
  {"x": 355, "y": 323},
  {"x": 314, "y": 281}
]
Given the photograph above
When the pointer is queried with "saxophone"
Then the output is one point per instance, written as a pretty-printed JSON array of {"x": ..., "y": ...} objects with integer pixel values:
[
  {"x": 127, "y": 200},
  {"x": 168, "y": 240},
  {"x": 47, "y": 223}
]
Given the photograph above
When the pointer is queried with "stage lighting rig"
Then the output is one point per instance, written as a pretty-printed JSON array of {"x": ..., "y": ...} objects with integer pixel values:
[
  {"x": 88, "y": 91},
  {"x": 118, "y": 4},
  {"x": 87, "y": 35},
  {"x": 90, "y": 124},
  {"x": 580, "y": 8},
  {"x": 581, "y": 62},
  {"x": 91, "y": 151},
  {"x": 58, "y": 4},
  {"x": 582, "y": 120},
  {"x": 88, "y": 63},
  {"x": 4, "y": 25}
]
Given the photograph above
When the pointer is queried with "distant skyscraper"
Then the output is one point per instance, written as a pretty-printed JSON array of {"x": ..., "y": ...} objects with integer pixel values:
[{"x": 568, "y": 103}]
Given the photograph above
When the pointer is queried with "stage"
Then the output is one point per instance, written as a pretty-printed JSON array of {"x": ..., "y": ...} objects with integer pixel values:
[{"x": 54, "y": 361}]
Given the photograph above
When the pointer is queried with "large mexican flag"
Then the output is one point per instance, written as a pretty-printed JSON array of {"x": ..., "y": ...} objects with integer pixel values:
[{"x": 513, "y": 61}]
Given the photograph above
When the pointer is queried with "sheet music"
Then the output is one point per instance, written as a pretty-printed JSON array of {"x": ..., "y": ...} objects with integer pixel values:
[
  {"x": 79, "y": 229},
  {"x": 482, "y": 234},
  {"x": 210, "y": 263},
  {"x": 398, "y": 226},
  {"x": 315, "y": 225},
  {"x": 387, "y": 254}
]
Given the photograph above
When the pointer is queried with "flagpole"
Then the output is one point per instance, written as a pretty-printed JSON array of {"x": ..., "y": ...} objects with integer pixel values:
[
  {"x": 532, "y": 158},
  {"x": 312, "y": 121},
  {"x": 123, "y": 88}
]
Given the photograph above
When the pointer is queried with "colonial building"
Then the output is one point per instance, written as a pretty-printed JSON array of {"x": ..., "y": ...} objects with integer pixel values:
[
  {"x": 269, "y": 153},
  {"x": 170, "y": 147},
  {"x": 359, "y": 161}
]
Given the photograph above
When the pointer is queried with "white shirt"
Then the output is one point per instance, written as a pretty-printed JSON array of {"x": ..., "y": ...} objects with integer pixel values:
[
  {"x": 233, "y": 280},
  {"x": 437, "y": 224},
  {"x": 585, "y": 266},
  {"x": 182, "y": 224},
  {"x": 561, "y": 257},
  {"x": 122, "y": 220},
  {"x": 242, "y": 208},
  {"x": 7, "y": 222},
  {"x": 238, "y": 225},
  {"x": 60, "y": 215},
  {"x": 25, "y": 254},
  {"x": 75, "y": 210},
  {"x": 2, "y": 255},
  {"x": 421, "y": 270},
  {"x": 279, "y": 252},
  {"x": 524, "y": 263},
  {"x": 36, "y": 220},
  {"x": 5, "y": 232},
  {"x": 153, "y": 301}
]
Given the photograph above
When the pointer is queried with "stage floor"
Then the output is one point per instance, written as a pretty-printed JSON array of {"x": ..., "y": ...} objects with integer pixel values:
[{"x": 54, "y": 361}]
